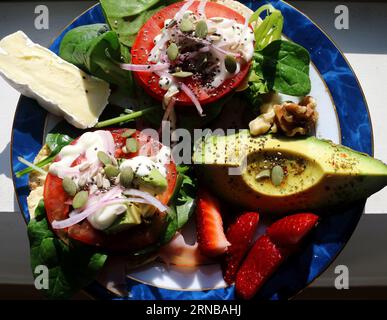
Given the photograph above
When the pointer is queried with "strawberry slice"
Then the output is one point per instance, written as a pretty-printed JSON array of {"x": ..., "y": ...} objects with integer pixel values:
[
  {"x": 289, "y": 231},
  {"x": 240, "y": 234},
  {"x": 211, "y": 238},
  {"x": 263, "y": 259}
]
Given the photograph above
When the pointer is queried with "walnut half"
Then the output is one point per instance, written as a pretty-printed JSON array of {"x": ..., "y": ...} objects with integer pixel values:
[{"x": 292, "y": 118}]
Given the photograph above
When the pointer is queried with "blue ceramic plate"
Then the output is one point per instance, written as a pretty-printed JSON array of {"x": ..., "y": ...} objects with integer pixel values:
[{"x": 344, "y": 118}]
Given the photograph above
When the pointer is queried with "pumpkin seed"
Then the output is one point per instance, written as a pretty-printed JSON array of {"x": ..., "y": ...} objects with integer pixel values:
[
  {"x": 69, "y": 186},
  {"x": 186, "y": 25},
  {"x": 201, "y": 29},
  {"x": 104, "y": 158},
  {"x": 128, "y": 133},
  {"x": 126, "y": 177},
  {"x": 173, "y": 52},
  {"x": 230, "y": 64},
  {"x": 80, "y": 199},
  {"x": 188, "y": 15},
  {"x": 131, "y": 145},
  {"x": 111, "y": 171},
  {"x": 182, "y": 74},
  {"x": 263, "y": 174},
  {"x": 277, "y": 175}
]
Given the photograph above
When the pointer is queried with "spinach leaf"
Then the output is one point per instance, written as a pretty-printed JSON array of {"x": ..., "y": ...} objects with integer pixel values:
[
  {"x": 257, "y": 88},
  {"x": 284, "y": 66},
  {"x": 171, "y": 226},
  {"x": 127, "y": 29},
  {"x": 96, "y": 50},
  {"x": 55, "y": 142},
  {"x": 76, "y": 43},
  {"x": 185, "y": 199},
  {"x": 127, "y": 17},
  {"x": 278, "y": 65},
  {"x": 182, "y": 206},
  {"x": 183, "y": 202},
  {"x": 70, "y": 268},
  {"x": 115, "y": 9}
]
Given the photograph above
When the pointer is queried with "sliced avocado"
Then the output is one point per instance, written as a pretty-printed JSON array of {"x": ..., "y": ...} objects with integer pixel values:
[
  {"x": 131, "y": 218},
  {"x": 317, "y": 173},
  {"x": 155, "y": 180}
]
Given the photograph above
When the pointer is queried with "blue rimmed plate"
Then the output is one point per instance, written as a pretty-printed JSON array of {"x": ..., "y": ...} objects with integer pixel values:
[{"x": 344, "y": 118}]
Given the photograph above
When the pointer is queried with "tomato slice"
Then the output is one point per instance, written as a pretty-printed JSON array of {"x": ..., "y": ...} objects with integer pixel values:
[
  {"x": 144, "y": 44},
  {"x": 56, "y": 199}
]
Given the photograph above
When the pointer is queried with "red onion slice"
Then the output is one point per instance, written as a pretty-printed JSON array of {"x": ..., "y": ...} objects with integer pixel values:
[
  {"x": 169, "y": 109},
  {"x": 202, "y": 9},
  {"x": 183, "y": 10},
  {"x": 148, "y": 197},
  {"x": 100, "y": 197},
  {"x": 193, "y": 98},
  {"x": 108, "y": 141},
  {"x": 159, "y": 45},
  {"x": 76, "y": 216},
  {"x": 144, "y": 67}
]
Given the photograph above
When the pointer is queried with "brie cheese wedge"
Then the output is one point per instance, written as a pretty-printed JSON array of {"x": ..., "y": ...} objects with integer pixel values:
[{"x": 59, "y": 87}]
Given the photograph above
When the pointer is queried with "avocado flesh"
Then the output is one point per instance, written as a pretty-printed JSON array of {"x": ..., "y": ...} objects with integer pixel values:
[
  {"x": 127, "y": 220},
  {"x": 318, "y": 173},
  {"x": 154, "y": 180}
]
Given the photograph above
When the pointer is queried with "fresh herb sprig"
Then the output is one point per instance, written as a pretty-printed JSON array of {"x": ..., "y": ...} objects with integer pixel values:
[
  {"x": 270, "y": 29},
  {"x": 55, "y": 142},
  {"x": 278, "y": 65},
  {"x": 123, "y": 119}
]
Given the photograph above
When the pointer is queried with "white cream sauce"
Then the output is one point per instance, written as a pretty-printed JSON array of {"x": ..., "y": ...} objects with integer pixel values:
[
  {"x": 142, "y": 165},
  {"x": 88, "y": 144},
  {"x": 106, "y": 216},
  {"x": 231, "y": 38}
]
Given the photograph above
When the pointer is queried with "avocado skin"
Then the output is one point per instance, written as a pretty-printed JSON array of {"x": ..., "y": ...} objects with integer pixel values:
[{"x": 335, "y": 174}]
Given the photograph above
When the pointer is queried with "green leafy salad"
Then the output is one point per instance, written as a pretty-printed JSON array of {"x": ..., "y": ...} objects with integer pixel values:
[{"x": 110, "y": 191}]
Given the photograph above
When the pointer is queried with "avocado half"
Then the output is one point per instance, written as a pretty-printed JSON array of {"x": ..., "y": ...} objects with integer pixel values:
[{"x": 317, "y": 173}]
